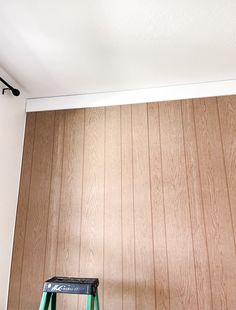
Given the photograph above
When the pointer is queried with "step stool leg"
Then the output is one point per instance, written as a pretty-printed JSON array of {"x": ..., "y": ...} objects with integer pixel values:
[
  {"x": 90, "y": 302},
  {"x": 45, "y": 300},
  {"x": 53, "y": 301},
  {"x": 96, "y": 301}
]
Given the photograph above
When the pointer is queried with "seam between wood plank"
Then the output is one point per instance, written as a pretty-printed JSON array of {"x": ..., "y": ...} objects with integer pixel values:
[
  {"x": 81, "y": 201},
  {"x": 151, "y": 204},
  {"x": 204, "y": 216},
  {"x": 121, "y": 213},
  {"x": 49, "y": 198},
  {"x": 225, "y": 171},
  {"x": 62, "y": 169},
  {"x": 132, "y": 142},
  {"x": 104, "y": 205},
  {"x": 163, "y": 201},
  {"x": 190, "y": 215}
]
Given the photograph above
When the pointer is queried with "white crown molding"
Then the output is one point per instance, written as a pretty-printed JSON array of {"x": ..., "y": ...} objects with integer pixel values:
[{"x": 177, "y": 92}]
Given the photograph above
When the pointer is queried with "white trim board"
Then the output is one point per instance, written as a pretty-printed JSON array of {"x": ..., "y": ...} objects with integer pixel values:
[{"x": 200, "y": 90}]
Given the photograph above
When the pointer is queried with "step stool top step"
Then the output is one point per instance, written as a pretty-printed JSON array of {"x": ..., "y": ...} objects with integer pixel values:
[{"x": 66, "y": 285}]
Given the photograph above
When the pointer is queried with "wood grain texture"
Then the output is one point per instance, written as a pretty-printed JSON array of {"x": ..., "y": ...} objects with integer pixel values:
[
  {"x": 141, "y": 196},
  {"x": 200, "y": 248},
  {"x": 112, "y": 212},
  {"x": 55, "y": 190},
  {"x": 216, "y": 205},
  {"x": 21, "y": 216},
  {"x": 92, "y": 226},
  {"x": 158, "y": 211},
  {"x": 69, "y": 226},
  {"x": 35, "y": 238},
  {"x": 128, "y": 250},
  {"x": 227, "y": 115},
  {"x": 183, "y": 294},
  {"x": 145, "y": 272}
]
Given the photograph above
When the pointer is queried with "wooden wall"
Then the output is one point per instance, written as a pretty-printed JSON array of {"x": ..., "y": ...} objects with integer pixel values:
[{"x": 141, "y": 196}]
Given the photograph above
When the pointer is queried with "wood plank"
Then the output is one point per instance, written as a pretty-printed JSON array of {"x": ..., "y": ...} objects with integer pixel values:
[
  {"x": 21, "y": 215},
  {"x": 112, "y": 221},
  {"x": 55, "y": 191},
  {"x": 141, "y": 196},
  {"x": 216, "y": 205},
  {"x": 196, "y": 209},
  {"x": 128, "y": 250},
  {"x": 158, "y": 211},
  {"x": 68, "y": 247},
  {"x": 178, "y": 224},
  {"x": 145, "y": 283},
  {"x": 227, "y": 114},
  {"x": 91, "y": 254},
  {"x": 35, "y": 238}
]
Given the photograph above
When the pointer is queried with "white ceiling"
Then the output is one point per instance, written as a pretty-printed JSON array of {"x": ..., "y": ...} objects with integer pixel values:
[{"x": 82, "y": 46}]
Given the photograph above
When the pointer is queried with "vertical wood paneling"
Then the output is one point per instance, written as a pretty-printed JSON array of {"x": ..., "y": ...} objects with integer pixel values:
[
  {"x": 36, "y": 226},
  {"x": 145, "y": 274},
  {"x": 216, "y": 205},
  {"x": 68, "y": 247},
  {"x": 112, "y": 220},
  {"x": 196, "y": 208},
  {"x": 128, "y": 236},
  {"x": 21, "y": 217},
  {"x": 183, "y": 293},
  {"x": 91, "y": 255},
  {"x": 158, "y": 212},
  {"x": 55, "y": 190},
  {"x": 141, "y": 196},
  {"x": 227, "y": 113}
]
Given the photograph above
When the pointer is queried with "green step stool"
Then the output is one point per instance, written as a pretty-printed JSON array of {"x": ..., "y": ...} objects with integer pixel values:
[{"x": 65, "y": 285}]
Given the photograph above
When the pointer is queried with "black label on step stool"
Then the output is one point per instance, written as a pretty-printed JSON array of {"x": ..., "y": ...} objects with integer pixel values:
[{"x": 69, "y": 289}]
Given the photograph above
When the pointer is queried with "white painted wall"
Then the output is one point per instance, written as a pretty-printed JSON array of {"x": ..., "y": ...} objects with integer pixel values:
[
  {"x": 76, "y": 46},
  {"x": 12, "y": 123}
]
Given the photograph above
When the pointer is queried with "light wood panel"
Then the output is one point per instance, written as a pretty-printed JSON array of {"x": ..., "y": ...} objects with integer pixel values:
[
  {"x": 92, "y": 226},
  {"x": 158, "y": 210},
  {"x": 127, "y": 192},
  {"x": 200, "y": 248},
  {"x": 21, "y": 217},
  {"x": 112, "y": 212},
  {"x": 37, "y": 217},
  {"x": 141, "y": 196},
  {"x": 55, "y": 190},
  {"x": 227, "y": 115},
  {"x": 144, "y": 249},
  {"x": 216, "y": 205},
  {"x": 69, "y": 225},
  {"x": 176, "y": 200}
]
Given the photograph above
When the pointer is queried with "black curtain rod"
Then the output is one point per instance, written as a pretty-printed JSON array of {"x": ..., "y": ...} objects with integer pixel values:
[{"x": 14, "y": 91}]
